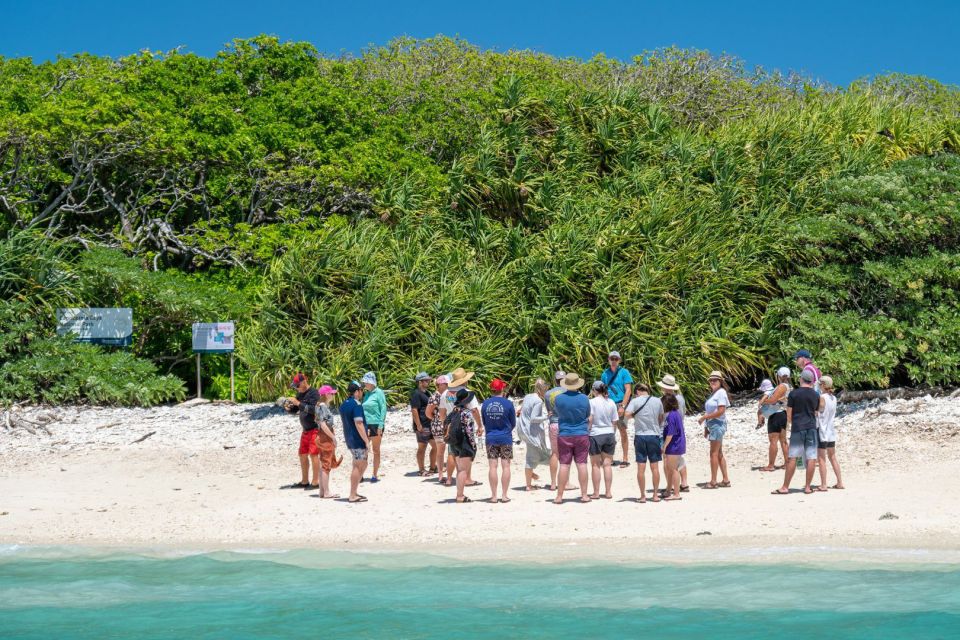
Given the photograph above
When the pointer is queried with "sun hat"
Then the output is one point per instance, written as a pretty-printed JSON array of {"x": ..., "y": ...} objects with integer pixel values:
[
  {"x": 572, "y": 382},
  {"x": 826, "y": 382},
  {"x": 802, "y": 353},
  {"x": 460, "y": 377},
  {"x": 297, "y": 380},
  {"x": 715, "y": 375},
  {"x": 765, "y": 386},
  {"x": 423, "y": 375},
  {"x": 614, "y": 354},
  {"x": 668, "y": 382},
  {"x": 783, "y": 371},
  {"x": 806, "y": 375},
  {"x": 442, "y": 380},
  {"x": 559, "y": 375},
  {"x": 327, "y": 390},
  {"x": 353, "y": 387},
  {"x": 369, "y": 378},
  {"x": 498, "y": 385}
]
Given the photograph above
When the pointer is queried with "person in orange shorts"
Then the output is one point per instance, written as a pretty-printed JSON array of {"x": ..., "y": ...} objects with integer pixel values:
[{"x": 326, "y": 441}]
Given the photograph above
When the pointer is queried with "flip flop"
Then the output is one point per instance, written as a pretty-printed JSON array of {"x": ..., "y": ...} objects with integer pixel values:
[
  {"x": 685, "y": 489},
  {"x": 465, "y": 499},
  {"x": 824, "y": 489},
  {"x": 672, "y": 498},
  {"x": 808, "y": 491},
  {"x": 585, "y": 499},
  {"x": 642, "y": 500},
  {"x": 336, "y": 495},
  {"x": 780, "y": 493},
  {"x": 711, "y": 485},
  {"x": 359, "y": 499},
  {"x": 725, "y": 485},
  {"x": 296, "y": 485},
  {"x": 475, "y": 483},
  {"x": 504, "y": 499},
  {"x": 767, "y": 469},
  {"x": 836, "y": 486}
]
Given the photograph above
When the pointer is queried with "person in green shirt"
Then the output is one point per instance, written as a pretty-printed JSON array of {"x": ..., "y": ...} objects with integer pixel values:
[{"x": 375, "y": 413}]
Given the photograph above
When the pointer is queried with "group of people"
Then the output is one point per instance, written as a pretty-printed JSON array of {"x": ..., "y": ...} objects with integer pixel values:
[{"x": 562, "y": 428}]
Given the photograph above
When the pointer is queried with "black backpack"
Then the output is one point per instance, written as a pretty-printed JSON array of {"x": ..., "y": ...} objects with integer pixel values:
[{"x": 454, "y": 425}]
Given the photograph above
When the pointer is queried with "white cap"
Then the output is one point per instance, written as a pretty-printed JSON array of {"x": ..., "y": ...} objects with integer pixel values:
[
  {"x": 783, "y": 371},
  {"x": 614, "y": 354},
  {"x": 369, "y": 378}
]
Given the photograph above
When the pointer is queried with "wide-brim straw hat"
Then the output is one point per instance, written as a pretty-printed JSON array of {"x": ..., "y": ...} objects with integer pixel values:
[
  {"x": 460, "y": 377},
  {"x": 669, "y": 383},
  {"x": 572, "y": 382},
  {"x": 715, "y": 375}
]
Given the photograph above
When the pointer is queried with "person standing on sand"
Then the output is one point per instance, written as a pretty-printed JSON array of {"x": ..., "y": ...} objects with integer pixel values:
[
  {"x": 619, "y": 389},
  {"x": 802, "y": 406},
  {"x": 419, "y": 401},
  {"x": 355, "y": 434},
  {"x": 573, "y": 440},
  {"x": 436, "y": 425},
  {"x": 530, "y": 427},
  {"x": 553, "y": 428},
  {"x": 499, "y": 421},
  {"x": 804, "y": 361},
  {"x": 326, "y": 440},
  {"x": 462, "y": 435},
  {"x": 647, "y": 413},
  {"x": 716, "y": 426},
  {"x": 458, "y": 381},
  {"x": 773, "y": 407},
  {"x": 603, "y": 441},
  {"x": 305, "y": 404},
  {"x": 669, "y": 387},
  {"x": 827, "y": 432},
  {"x": 674, "y": 446},
  {"x": 375, "y": 410}
]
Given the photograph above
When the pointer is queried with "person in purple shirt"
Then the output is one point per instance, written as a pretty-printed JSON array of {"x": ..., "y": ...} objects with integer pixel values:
[
  {"x": 674, "y": 445},
  {"x": 499, "y": 419}
]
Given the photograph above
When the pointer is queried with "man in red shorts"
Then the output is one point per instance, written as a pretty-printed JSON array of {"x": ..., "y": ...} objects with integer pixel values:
[{"x": 305, "y": 404}]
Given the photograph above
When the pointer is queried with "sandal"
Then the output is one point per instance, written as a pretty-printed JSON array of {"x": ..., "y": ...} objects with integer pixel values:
[
  {"x": 684, "y": 489},
  {"x": 837, "y": 486},
  {"x": 465, "y": 499},
  {"x": 779, "y": 492},
  {"x": 711, "y": 485},
  {"x": 504, "y": 500},
  {"x": 475, "y": 483},
  {"x": 359, "y": 499},
  {"x": 296, "y": 485}
]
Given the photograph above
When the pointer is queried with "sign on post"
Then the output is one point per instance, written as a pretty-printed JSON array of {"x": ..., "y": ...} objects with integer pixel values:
[
  {"x": 213, "y": 337},
  {"x": 110, "y": 326}
]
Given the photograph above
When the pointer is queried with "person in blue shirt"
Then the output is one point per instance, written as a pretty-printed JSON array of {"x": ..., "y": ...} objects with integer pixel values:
[
  {"x": 355, "y": 433},
  {"x": 573, "y": 439},
  {"x": 619, "y": 384},
  {"x": 499, "y": 420}
]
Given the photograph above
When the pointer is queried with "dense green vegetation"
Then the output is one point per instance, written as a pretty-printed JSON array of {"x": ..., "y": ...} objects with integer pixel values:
[{"x": 428, "y": 205}]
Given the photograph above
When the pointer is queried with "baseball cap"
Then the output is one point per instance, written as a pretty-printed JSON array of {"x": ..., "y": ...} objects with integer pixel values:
[
  {"x": 806, "y": 375},
  {"x": 498, "y": 385},
  {"x": 783, "y": 371},
  {"x": 369, "y": 378},
  {"x": 442, "y": 380},
  {"x": 559, "y": 375},
  {"x": 802, "y": 353},
  {"x": 598, "y": 385},
  {"x": 297, "y": 380},
  {"x": 614, "y": 354},
  {"x": 353, "y": 387},
  {"x": 423, "y": 375},
  {"x": 326, "y": 390}
]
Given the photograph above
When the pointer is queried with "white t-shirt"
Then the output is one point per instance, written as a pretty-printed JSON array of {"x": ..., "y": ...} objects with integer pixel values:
[
  {"x": 604, "y": 414},
  {"x": 646, "y": 420},
  {"x": 450, "y": 398},
  {"x": 825, "y": 418},
  {"x": 717, "y": 400}
]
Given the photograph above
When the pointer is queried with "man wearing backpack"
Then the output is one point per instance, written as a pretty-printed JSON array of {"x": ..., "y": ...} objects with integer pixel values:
[{"x": 619, "y": 384}]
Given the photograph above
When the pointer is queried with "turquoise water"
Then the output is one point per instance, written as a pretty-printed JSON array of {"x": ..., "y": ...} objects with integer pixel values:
[{"x": 304, "y": 594}]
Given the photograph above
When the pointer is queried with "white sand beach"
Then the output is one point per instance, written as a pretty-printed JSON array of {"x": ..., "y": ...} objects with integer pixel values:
[{"x": 208, "y": 477}]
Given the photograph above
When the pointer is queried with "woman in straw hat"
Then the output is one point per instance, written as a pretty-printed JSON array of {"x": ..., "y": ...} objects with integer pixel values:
[
  {"x": 458, "y": 380},
  {"x": 715, "y": 427},
  {"x": 573, "y": 440},
  {"x": 669, "y": 387}
]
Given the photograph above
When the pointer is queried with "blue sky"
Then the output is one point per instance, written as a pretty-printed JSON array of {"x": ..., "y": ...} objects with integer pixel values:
[{"x": 833, "y": 41}]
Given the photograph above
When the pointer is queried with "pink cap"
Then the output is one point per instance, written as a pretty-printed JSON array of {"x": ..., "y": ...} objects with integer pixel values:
[
  {"x": 326, "y": 390},
  {"x": 442, "y": 380}
]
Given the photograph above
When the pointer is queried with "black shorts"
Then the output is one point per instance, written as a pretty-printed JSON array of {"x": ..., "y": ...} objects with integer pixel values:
[
  {"x": 423, "y": 437},
  {"x": 605, "y": 443},
  {"x": 374, "y": 430},
  {"x": 777, "y": 422},
  {"x": 826, "y": 445},
  {"x": 466, "y": 451}
]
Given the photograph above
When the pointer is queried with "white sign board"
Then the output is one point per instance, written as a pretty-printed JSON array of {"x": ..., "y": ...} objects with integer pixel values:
[
  {"x": 212, "y": 337},
  {"x": 99, "y": 326}
]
